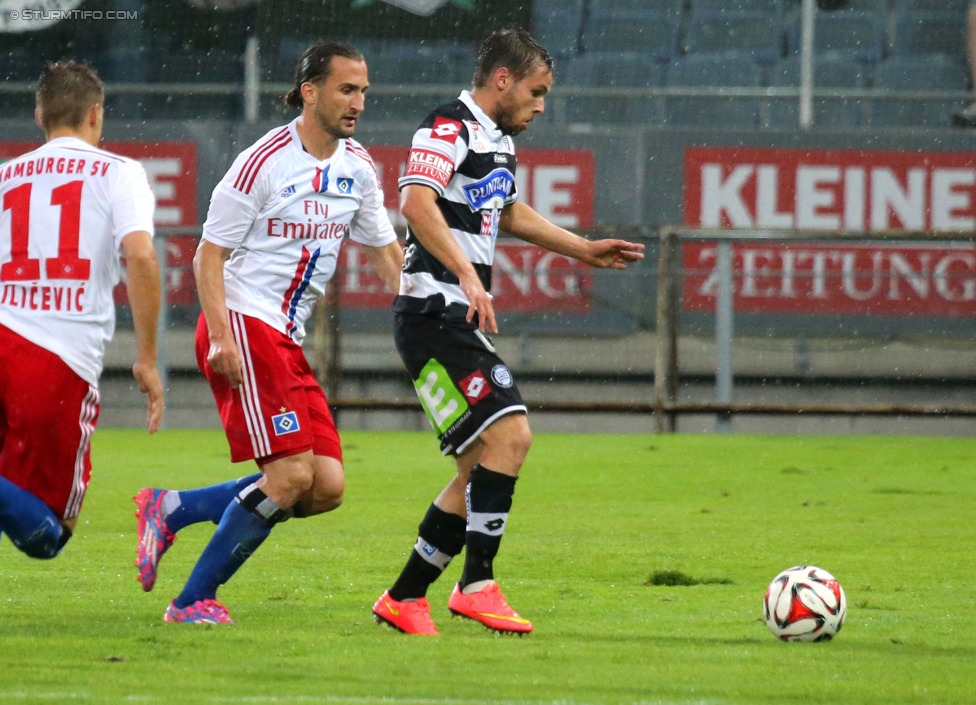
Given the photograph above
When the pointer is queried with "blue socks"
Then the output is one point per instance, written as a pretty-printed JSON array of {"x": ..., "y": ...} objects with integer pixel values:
[
  {"x": 244, "y": 526},
  {"x": 206, "y": 503},
  {"x": 30, "y": 524}
]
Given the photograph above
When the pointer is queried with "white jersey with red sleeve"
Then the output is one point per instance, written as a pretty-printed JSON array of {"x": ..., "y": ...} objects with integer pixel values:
[
  {"x": 285, "y": 214},
  {"x": 64, "y": 210}
]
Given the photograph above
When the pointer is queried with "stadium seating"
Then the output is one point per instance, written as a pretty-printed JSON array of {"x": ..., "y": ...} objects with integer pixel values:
[
  {"x": 953, "y": 7},
  {"x": 857, "y": 34},
  {"x": 755, "y": 34},
  {"x": 828, "y": 72},
  {"x": 919, "y": 72},
  {"x": 557, "y": 24},
  {"x": 770, "y": 7},
  {"x": 611, "y": 8},
  {"x": 213, "y": 66},
  {"x": 712, "y": 70},
  {"x": 928, "y": 33},
  {"x": 21, "y": 65},
  {"x": 638, "y": 32},
  {"x": 611, "y": 70}
]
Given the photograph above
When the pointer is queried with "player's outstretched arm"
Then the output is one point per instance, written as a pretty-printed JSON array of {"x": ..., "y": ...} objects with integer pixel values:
[
  {"x": 386, "y": 261},
  {"x": 419, "y": 206},
  {"x": 521, "y": 221},
  {"x": 143, "y": 286},
  {"x": 224, "y": 357}
]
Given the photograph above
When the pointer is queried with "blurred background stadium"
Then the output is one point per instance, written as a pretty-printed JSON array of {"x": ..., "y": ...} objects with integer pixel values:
[{"x": 813, "y": 152}]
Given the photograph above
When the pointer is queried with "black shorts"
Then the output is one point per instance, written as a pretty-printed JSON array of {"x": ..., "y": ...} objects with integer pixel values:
[{"x": 462, "y": 384}]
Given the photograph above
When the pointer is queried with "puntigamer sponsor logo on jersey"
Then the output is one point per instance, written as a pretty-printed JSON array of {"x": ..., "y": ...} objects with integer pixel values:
[{"x": 490, "y": 191}]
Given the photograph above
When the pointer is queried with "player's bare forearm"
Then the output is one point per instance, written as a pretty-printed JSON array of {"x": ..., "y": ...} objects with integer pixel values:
[
  {"x": 143, "y": 286},
  {"x": 419, "y": 206},
  {"x": 521, "y": 221},
  {"x": 208, "y": 269},
  {"x": 386, "y": 261}
]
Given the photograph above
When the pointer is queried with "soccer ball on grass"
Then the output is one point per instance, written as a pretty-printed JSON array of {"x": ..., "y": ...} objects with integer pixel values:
[{"x": 805, "y": 603}]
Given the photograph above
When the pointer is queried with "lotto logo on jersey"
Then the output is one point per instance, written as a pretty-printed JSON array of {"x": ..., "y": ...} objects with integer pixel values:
[
  {"x": 320, "y": 184},
  {"x": 445, "y": 129},
  {"x": 475, "y": 387},
  {"x": 431, "y": 165}
]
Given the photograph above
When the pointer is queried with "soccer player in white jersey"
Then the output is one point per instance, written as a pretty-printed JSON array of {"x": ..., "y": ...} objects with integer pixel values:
[
  {"x": 67, "y": 210},
  {"x": 270, "y": 245},
  {"x": 457, "y": 192}
]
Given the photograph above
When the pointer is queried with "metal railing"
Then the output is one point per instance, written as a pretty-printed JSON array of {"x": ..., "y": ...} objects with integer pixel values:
[{"x": 666, "y": 405}]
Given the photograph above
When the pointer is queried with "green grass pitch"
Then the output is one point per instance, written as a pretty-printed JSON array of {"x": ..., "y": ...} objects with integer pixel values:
[{"x": 594, "y": 517}]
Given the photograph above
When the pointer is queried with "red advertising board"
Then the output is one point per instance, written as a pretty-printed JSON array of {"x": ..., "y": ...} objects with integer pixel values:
[
  {"x": 170, "y": 166},
  {"x": 557, "y": 183},
  {"x": 842, "y": 191},
  {"x": 525, "y": 278}
]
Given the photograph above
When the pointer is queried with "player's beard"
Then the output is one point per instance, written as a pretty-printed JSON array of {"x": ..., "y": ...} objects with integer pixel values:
[
  {"x": 338, "y": 131},
  {"x": 506, "y": 124}
]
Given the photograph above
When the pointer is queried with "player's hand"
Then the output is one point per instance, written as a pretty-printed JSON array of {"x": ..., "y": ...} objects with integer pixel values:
[
  {"x": 224, "y": 358},
  {"x": 147, "y": 377},
  {"x": 614, "y": 254},
  {"x": 479, "y": 302}
]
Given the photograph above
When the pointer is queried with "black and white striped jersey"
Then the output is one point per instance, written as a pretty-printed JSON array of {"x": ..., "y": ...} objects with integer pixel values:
[{"x": 460, "y": 153}]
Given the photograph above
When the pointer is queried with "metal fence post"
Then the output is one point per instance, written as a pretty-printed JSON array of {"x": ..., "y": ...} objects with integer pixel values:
[
  {"x": 724, "y": 333},
  {"x": 666, "y": 358}
]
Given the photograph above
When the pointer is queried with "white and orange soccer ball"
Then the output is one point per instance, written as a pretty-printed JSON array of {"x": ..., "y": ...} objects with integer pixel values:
[{"x": 805, "y": 603}]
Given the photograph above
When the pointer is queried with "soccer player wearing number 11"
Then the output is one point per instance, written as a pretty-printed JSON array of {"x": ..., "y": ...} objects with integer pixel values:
[{"x": 66, "y": 210}]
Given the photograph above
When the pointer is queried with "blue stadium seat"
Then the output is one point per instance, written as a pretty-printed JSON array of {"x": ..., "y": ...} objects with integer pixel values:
[
  {"x": 771, "y": 7},
  {"x": 557, "y": 24},
  {"x": 611, "y": 70},
  {"x": 828, "y": 72},
  {"x": 956, "y": 7},
  {"x": 921, "y": 72},
  {"x": 852, "y": 32},
  {"x": 651, "y": 33},
  {"x": 928, "y": 33},
  {"x": 21, "y": 65},
  {"x": 437, "y": 63},
  {"x": 610, "y": 8},
  {"x": 713, "y": 70},
  {"x": 213, "y": 66},
  {"x": 756, "y": 34}
]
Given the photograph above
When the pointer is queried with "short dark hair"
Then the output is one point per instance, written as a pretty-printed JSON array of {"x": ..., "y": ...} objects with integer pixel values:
[
  {"x": 316, "y": 65},
  {"x": 512, "y": 48},
  {"x": 65, "y": 92}
]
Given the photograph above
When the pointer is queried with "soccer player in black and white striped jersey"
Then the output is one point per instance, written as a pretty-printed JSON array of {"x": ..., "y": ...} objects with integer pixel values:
[{"x": 457, "y": 192}]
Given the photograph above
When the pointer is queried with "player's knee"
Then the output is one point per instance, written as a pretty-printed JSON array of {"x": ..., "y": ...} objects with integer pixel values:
[
  {"x": 45, "y": 542},
  {"x": 326, "y": 495},
  {"x": 519, "y": 440}
]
